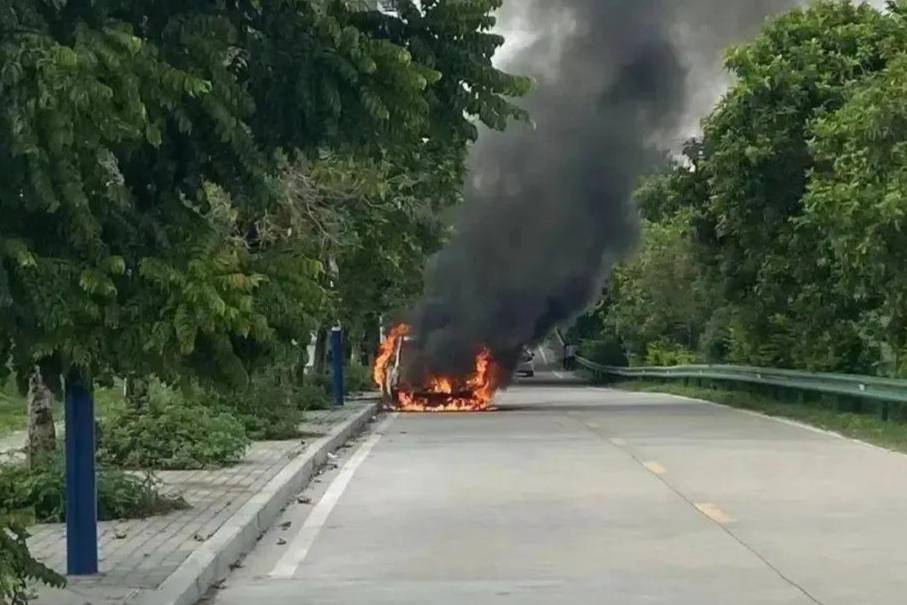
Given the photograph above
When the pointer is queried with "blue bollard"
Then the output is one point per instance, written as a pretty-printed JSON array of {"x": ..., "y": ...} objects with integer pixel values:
[
  {"x": 81, "y": 482},
  {"x": 337, "y": 358}
]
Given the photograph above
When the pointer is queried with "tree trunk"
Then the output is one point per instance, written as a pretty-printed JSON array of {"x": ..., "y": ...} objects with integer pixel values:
[
  {"x": 321, "y": 342},
  {"x": 42, "y": 435},
  {"x": 371, "y": 342},
  {"x": 137, "y": 391}
]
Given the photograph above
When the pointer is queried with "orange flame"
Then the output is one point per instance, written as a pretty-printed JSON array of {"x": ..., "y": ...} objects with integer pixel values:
[
  {"x": 386, "y": 353},
  {"x": 473, "y": 393}
]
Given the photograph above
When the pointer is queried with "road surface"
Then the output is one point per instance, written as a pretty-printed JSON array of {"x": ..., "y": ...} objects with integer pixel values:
[{"x": 582, "y": 495}]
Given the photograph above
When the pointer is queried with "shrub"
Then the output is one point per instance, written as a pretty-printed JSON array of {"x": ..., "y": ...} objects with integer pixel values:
[
  {"x": 17, "y": 567},
  {"x": 175, "y": 432},
  {"x": 270, "y": 406},
  {"x": 669, "y": 354},
  {"x": 607, "y": 352},
  {"x": 357, "y": 378},
  {"x": 312, "y": 397},
  {"x": 39, "y": 493}
]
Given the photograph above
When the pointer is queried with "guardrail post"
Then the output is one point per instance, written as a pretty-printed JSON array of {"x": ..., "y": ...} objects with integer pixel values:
[
  {"x": 886, "y": 411},
  {"x": 81, "y": 481},
  {"x": 337, "y": 355}
]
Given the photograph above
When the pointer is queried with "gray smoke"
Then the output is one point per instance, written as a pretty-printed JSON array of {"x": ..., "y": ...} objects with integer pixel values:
[{"x": 550, "y": 207}]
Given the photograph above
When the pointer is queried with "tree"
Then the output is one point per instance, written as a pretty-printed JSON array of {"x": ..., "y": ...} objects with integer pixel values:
[
  {"x": 41, "y": 435},
  {"x": 857, "y": 201},
  {"x": 115, "y": 255},
  {"x": 659, "y": 298},
  {"x": 790, "y": 204},
  {"x": 143, "y": 146},
  {"x": 788, "y": 308}
]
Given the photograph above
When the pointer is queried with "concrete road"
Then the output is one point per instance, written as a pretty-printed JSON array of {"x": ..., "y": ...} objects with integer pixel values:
[{"x": 579, "y": 495}]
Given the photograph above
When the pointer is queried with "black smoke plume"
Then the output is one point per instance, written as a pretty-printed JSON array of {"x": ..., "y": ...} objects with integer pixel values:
[{"x": 550, "y": 208}]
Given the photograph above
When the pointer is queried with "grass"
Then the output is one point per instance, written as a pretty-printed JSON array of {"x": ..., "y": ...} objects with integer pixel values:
[
  {"x": 819, "y": 413},
  {"x": 13, "y": 412},
  {"x": 12, "y": 408}
]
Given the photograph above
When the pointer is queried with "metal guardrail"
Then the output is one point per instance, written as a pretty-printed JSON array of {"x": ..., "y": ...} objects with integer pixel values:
[{"x": 885, "y": 390}]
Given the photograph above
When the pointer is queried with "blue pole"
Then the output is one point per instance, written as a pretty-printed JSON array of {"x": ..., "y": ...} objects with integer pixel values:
[
  {"x": 337, "y": 355},
  {"x": 81, "y": 485}
]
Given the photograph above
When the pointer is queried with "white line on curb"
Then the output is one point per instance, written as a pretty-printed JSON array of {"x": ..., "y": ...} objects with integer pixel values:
[{"x": 299, "y": 547}]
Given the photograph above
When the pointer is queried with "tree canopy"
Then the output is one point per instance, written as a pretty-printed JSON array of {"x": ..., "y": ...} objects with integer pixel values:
[
  {"x": 789, "y": 205},
  {"x": 144, "y": 148}
]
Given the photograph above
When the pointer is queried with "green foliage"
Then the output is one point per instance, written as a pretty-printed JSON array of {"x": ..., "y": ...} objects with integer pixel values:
[
  {"x": 608, "y": 352},
  {"x": 39, "y": 493},
  {"x": 357, "y": 378},
  {"x": 312, "y": 396},
  {"x": 17, "y": 568},
  {"x": 272, "y": 404},
  {"x": 148, "y": 224},
  {"x": 661, "y": 295},
  {"x": 668, "y": 354},
  {"x": 152, "y": 218},
  {"x": 857, "y": 201},
  {"x": 773, "y": 269},
  {"x": 778, "y": 239},
  {"x": 173, "y": 432}
]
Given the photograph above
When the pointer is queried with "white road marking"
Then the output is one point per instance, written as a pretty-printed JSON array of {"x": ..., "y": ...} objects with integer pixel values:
[
  {"x": 299, "y": 547},
  {"x": 561, "y": 375}
]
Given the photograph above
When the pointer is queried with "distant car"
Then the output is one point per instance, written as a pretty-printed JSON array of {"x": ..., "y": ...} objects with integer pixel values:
[{"x": 527, "y": 365}]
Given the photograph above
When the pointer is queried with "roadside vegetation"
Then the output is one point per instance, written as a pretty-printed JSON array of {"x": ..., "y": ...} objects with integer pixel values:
[
  {"x": 778, "y": 239},
  {"x": 36, "y": 493},
  {"x": 264, "y": 171},
  {"x": 172, "y": 432},
  {"x": 822, "y": 412}
]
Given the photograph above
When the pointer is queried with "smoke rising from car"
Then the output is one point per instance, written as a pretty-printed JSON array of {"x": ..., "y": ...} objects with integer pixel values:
[{"x": 549, "y": 208}]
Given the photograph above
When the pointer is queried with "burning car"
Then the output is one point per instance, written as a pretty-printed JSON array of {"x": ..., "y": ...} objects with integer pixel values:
[{"x": 471, "y": 393}]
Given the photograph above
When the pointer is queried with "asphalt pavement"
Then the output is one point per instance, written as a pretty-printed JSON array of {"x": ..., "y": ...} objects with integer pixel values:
[{"x": 583, "y": 495}]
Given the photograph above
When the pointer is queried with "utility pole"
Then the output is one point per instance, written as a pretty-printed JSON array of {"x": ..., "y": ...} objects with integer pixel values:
[
  {"x": 336, "y": 344},
  {"x": 81, "y": 479}
]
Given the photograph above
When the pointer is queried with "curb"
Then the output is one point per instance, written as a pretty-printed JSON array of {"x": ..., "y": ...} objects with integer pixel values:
[{"x": 211, "y": 562}]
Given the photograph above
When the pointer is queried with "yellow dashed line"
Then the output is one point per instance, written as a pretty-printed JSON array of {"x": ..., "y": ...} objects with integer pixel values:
[
  {"x": 714, "y": 513},
  {"x": 655, "y": 468}
]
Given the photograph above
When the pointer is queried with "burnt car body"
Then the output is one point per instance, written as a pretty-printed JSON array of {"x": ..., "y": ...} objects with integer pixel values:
[{"x": 394, "y": 379}]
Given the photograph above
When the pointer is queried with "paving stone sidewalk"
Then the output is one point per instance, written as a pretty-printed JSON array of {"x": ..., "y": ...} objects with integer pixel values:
[{"x": 138, "y": 556}]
